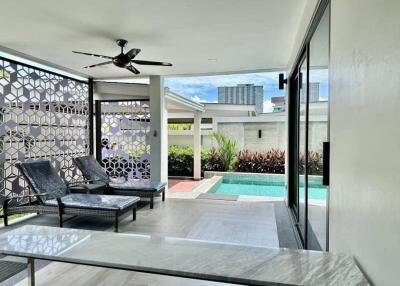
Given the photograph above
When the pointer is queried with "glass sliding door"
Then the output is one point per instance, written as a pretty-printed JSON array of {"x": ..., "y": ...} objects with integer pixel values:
[
  {"x": 302, "y": 150},
  {"x": 318, "y": 134},
  {"x": 308, "y": 136}
]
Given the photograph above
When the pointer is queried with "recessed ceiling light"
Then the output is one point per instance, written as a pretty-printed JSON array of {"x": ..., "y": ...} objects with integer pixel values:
[{"x": 212, "y": 60}]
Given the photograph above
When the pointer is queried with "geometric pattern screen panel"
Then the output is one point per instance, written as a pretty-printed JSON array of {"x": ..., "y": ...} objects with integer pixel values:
[
  {"x": 125, "y": 146},
  {"x": 42, "y": 116}
]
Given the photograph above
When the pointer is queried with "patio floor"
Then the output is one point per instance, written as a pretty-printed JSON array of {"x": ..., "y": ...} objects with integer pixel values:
[{"x": 263, "y": 224}]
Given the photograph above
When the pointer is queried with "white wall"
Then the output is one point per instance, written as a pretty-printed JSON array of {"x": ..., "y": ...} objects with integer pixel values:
[
  {"x": 158, "y": 131},
  {"x": 309, "y": 8},
  {"x": 365, "y": 135},
  {"x": 245, "y": 134},
  {"x": 111, "y": 91}
]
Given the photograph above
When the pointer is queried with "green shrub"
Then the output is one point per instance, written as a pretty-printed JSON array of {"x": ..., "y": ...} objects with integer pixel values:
[
  {"x": 180, "y": 126},
  {"x": 180, "y": 161}
]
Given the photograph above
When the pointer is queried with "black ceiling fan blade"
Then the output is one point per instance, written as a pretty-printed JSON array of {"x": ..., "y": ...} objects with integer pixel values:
[
  {"x": 151, "y": 63},
  {"x": 133, "y": 53},
  {"x": 131, "y": 68},
  {"x": 93, "y": 55},
  {"x": 100, "y": 64}
]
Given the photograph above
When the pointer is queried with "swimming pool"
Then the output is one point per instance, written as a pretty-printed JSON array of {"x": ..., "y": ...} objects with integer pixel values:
[{"x": 267, "y": 186}]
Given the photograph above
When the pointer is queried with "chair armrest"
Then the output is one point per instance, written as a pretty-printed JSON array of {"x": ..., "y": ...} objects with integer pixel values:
[
  {"x": 8, "y": 200},
  {"x": 30, "y": 196}
]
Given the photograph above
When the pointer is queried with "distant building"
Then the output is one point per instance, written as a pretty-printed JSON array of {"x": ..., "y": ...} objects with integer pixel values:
[
  {"x": 242, "y": 94},
  {"x": 279, "y": 103}
]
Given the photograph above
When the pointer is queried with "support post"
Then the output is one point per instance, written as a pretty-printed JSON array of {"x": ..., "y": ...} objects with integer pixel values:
[
  {"x": 31, "y": 271},
  {"x": 91, "y": 125},
  {"x": 197, "y": 146},
  {"x": 158, "y": 131},
  {"x": 98, "y": 131}
]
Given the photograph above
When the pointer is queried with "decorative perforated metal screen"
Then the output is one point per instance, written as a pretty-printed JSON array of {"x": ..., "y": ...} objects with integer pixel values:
[
  {"x": 42, "y": 116},
  {"x": 125, "y": 147}
]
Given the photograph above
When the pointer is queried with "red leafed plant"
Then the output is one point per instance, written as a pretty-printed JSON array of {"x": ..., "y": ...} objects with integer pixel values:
[{"x": 272, "y": 161}]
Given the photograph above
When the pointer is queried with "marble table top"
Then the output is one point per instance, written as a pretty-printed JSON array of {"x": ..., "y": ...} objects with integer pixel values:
[{"x": 180, "y": 257}]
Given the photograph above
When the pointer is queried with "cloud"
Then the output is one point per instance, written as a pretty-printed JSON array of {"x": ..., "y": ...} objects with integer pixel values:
[
  {"x": 268, "y": 106},
  {"x": 197, "y": 99},
  {"x": 206, "y": 87},
  {"x": 202, "y": 100}
]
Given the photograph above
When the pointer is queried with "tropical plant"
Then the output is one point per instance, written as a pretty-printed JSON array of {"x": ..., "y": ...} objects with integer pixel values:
[
  {"x": 213, "y": 161},
  {"x": 226, "y": 150},
  {"x": 315, "y": 163},
  {"x": 272, "y": 161}
]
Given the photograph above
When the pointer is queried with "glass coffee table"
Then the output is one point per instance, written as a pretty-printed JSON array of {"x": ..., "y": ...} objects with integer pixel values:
[{"x": 204, "y": 260}]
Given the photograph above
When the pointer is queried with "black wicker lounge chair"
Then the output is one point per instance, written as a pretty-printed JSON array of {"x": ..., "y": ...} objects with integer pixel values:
[
  {"x": 93, "y": 171},
  {"x": 53, "y": 196}
]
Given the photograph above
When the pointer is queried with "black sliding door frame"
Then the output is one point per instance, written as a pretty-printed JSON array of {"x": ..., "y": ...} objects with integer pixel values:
[{"x": 294, "y": 81}]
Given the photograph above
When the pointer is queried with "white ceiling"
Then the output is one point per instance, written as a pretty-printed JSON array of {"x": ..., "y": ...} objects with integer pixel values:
[{"x": 243, "y": 35}]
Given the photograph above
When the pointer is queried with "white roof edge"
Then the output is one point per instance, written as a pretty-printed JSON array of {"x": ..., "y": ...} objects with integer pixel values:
[{"x": 170, "y": 95}]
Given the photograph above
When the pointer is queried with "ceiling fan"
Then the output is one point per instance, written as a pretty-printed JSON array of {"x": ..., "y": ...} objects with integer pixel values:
[{"x": 124, "y": 60}]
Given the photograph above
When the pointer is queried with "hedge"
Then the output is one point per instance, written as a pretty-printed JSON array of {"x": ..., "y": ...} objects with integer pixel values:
[{"x": 180, "y": 161}]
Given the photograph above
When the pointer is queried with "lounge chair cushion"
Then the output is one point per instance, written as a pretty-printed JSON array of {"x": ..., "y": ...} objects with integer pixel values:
[
  {"x": 91, "y": 169},
  {"x": 138, "y": 186},
  {"x": 91, "y": 201},
  {"x": 43, "y": 178}
]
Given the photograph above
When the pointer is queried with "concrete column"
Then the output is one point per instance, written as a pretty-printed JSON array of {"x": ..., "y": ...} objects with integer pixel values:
[
  {"x": 197, "y": 146},
  {"x": 158, "y": 131}
]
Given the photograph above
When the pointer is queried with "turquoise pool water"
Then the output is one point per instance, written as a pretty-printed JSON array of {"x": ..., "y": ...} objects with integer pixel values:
[{"x": 263, "y": 189}]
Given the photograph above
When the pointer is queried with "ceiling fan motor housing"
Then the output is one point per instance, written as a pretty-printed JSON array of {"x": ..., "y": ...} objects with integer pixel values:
[{"x": 122, "y": 60}]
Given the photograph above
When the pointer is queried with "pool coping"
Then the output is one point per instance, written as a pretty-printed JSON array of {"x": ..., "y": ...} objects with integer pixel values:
[
  {"x": 211, "y": 179},
  {"x": 217, "y": 178}
]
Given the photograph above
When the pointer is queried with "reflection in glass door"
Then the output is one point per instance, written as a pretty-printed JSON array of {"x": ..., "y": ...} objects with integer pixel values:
[
  {"x": 308, "y": 134},
  {"x": 318, "y": 128}
]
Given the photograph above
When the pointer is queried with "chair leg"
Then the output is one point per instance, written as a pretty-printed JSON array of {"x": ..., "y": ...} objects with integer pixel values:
[
  {"x": 116, "y": 223},
  {"x": 163, "y": 195},
  {"x": 60, "y": 211},
  {"x": 134, "y": 214},
  {"x": 151, "y": 201},
  {"x": 5, "y": 218},
  {"x": 5, "y": 212}
]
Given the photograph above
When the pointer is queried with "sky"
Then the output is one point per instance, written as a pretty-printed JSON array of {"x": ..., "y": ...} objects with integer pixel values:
[{"x": 205, "y": 88}]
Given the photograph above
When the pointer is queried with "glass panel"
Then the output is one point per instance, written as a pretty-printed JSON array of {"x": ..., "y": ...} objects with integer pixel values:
[
  {"x": 302, "y": 146},
  {"x": 318, "y": 133}
]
